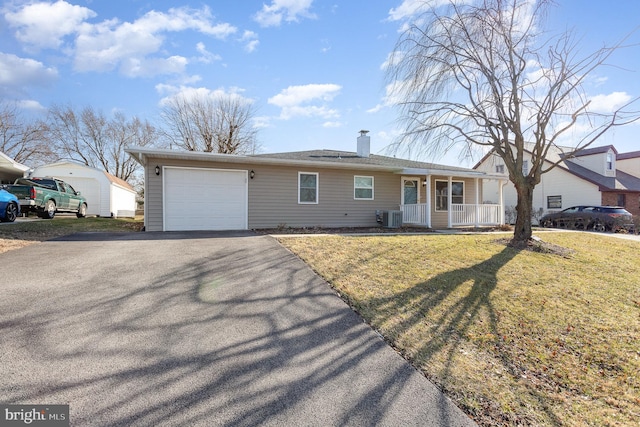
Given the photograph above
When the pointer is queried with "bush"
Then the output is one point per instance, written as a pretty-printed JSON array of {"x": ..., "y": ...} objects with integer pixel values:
[{"x": 510, "y": 215}]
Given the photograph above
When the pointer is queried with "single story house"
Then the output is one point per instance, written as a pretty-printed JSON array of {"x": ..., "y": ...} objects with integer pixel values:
[
  {"x": 318, "y": 188},
  {"x": 593, "y": 176},
  {"x": 106, "y": 195},
  {"x": 10, "y": 170}
]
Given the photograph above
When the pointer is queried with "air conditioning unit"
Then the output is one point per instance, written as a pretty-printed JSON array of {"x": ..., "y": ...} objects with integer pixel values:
[{"x": 392, "y": 219}]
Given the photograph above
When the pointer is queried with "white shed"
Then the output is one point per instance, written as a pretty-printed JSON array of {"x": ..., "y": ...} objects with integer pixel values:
[{"x": 106, "y": 194}]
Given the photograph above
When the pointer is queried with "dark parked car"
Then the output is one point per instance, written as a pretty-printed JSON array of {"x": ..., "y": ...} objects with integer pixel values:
[
  {"x": 9, "y": 206},
  {"x": 596, "y": 218}
]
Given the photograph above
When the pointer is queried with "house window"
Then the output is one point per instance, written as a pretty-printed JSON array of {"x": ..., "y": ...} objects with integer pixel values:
[
  {"x": 308, "y": 187},
  {"x": 525, "y": 167},
  {"x": 622, "y": 200},
  {"x": 442, "y": 194},
  {"x": 610, "y": 163},
  {"x": 554, "y": 202},
  {"x": 363, "y": 187},
  {"x": 499, "y": 168}
]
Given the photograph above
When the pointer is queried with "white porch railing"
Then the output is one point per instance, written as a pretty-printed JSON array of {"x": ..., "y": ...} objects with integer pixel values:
[
  {"x": 466, "y": 215},
  {"x": 475, "y": 214},
  {"x": 414, "y": 214}
]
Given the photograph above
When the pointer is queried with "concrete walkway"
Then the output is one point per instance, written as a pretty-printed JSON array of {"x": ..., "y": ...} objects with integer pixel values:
[{"x": 196, "y": 329}]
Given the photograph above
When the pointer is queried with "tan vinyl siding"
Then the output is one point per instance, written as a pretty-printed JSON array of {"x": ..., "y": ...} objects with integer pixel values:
[
  {"x": 273, "y": 199},
  {"x": 273, "y": 196},
  {"x": 153, "y": 199}
]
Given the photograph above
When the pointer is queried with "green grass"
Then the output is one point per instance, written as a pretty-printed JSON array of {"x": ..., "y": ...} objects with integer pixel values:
[{"x": 514, "y": 337}]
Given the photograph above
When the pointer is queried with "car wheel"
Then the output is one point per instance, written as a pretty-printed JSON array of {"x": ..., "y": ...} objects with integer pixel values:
[
  {"x": 11, "y": 213},
  {"x": 82, "y": 211},
  {"x": 547, "y": 223},
  {"x": 49, "y": 210},
  {"x": 599, "y": 226}
]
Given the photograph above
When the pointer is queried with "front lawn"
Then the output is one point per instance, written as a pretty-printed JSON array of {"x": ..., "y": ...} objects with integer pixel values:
[
  {"x": 25, "y": 232},
  {"x": 513, "y": 337}
]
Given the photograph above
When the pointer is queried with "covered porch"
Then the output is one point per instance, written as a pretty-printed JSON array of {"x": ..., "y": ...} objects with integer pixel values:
[{"x": 436, "y": 200}]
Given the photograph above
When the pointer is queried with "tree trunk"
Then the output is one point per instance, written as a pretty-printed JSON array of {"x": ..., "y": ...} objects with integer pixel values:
[{"x": 522, "y": 231}]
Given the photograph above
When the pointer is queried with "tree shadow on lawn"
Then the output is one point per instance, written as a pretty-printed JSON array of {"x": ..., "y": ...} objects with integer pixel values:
[{"x": 453, "y": 312}]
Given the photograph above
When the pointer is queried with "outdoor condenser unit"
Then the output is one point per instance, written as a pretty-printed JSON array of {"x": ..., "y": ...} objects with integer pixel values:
[{"x": 392, "y": 219}]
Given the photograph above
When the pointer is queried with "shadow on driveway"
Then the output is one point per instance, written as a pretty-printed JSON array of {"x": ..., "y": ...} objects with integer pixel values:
[{"x": 195, "y": 330}]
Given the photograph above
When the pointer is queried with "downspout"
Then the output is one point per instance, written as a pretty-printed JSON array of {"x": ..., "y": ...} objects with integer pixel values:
[{"x": 477, "y": 209}]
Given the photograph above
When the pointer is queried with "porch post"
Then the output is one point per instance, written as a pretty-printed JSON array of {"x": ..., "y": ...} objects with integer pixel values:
[
  {"x": 477, "y": 219},
  {"x": 427, "y": 179},
  {"x": 449, "y": 197},
  {"x": 501, "y": 185}
]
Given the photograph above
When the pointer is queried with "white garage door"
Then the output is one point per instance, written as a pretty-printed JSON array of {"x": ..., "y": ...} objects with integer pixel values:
[{"x": 204, "y": 199}]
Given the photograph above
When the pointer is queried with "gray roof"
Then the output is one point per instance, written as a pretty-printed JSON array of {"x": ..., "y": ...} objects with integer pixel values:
[
  {"x": 316, "y": 158},
  {"x": 347, "y": 157},
  {"x": 594, "y": 150},
  {"x": 630, "y": 155},
  {"x": 622, "y": 180}
]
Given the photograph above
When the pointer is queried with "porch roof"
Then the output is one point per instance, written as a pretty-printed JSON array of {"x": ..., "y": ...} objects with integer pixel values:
[{"x": 10, "y": 169}]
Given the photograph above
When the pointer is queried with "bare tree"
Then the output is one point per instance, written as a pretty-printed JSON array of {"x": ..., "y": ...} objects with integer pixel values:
[
  {"x": 21, "y": 139},
  {"x": 480, "y": 75},
  {"x": 89, "y": 137},
  {"x": 219, "y": 123}
]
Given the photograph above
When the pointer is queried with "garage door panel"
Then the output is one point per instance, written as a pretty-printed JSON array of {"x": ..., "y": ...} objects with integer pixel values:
[{"x": 205, "y": 199}]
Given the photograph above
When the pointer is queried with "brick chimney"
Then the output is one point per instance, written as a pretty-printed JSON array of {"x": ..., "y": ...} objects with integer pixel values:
[{"x": 364, "y": 144}]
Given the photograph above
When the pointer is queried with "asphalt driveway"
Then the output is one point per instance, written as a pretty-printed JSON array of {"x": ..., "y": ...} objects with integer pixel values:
[{"x": 190, "y": 329}]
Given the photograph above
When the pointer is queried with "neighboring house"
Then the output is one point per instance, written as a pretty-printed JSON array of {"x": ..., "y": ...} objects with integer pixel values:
[
  {"x": 629, "y": 163},
  {"x": 10, "y": 170},
  {"x": 594, "y": 176},
  {"x": 106, "y": 195},
  {"x": 322, "y": 188}
]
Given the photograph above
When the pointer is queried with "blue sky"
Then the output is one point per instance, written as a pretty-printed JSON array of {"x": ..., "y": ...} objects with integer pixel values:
[{"x": 313, "y": 68}]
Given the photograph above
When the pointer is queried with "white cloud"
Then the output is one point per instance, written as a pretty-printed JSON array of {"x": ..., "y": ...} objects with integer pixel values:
[
  {"x": 30, "y": 104},
  {"x": 393, "y": 59},
  {"x": 251, "y": 40},
  {"x": 332, "y": 124},
  {"x": 410, "y": 8},
  {"x": 289, "y": 10},
  {"x": 181, "y": 19},
  {"x": 190, "y": 92},
  {"x": 262, "y": 122},
  {"x": 206, "y": 57},
  {"x": 44, "y": 25},
  {"x": 18, "y": 72},
  {"x": 607, "y": 104},
  {"x": 146, "y": 67},
  {"x": 127, "y": 45},
  {"x": 294, "y": 101},
  {"x": 135, "y": 48},
  {"x": 295, "y": 95},
  {"x": 392, "y": 97}
]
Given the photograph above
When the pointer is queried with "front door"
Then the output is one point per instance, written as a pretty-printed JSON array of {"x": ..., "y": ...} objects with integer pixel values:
[{"x": 410, "y": 195}]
